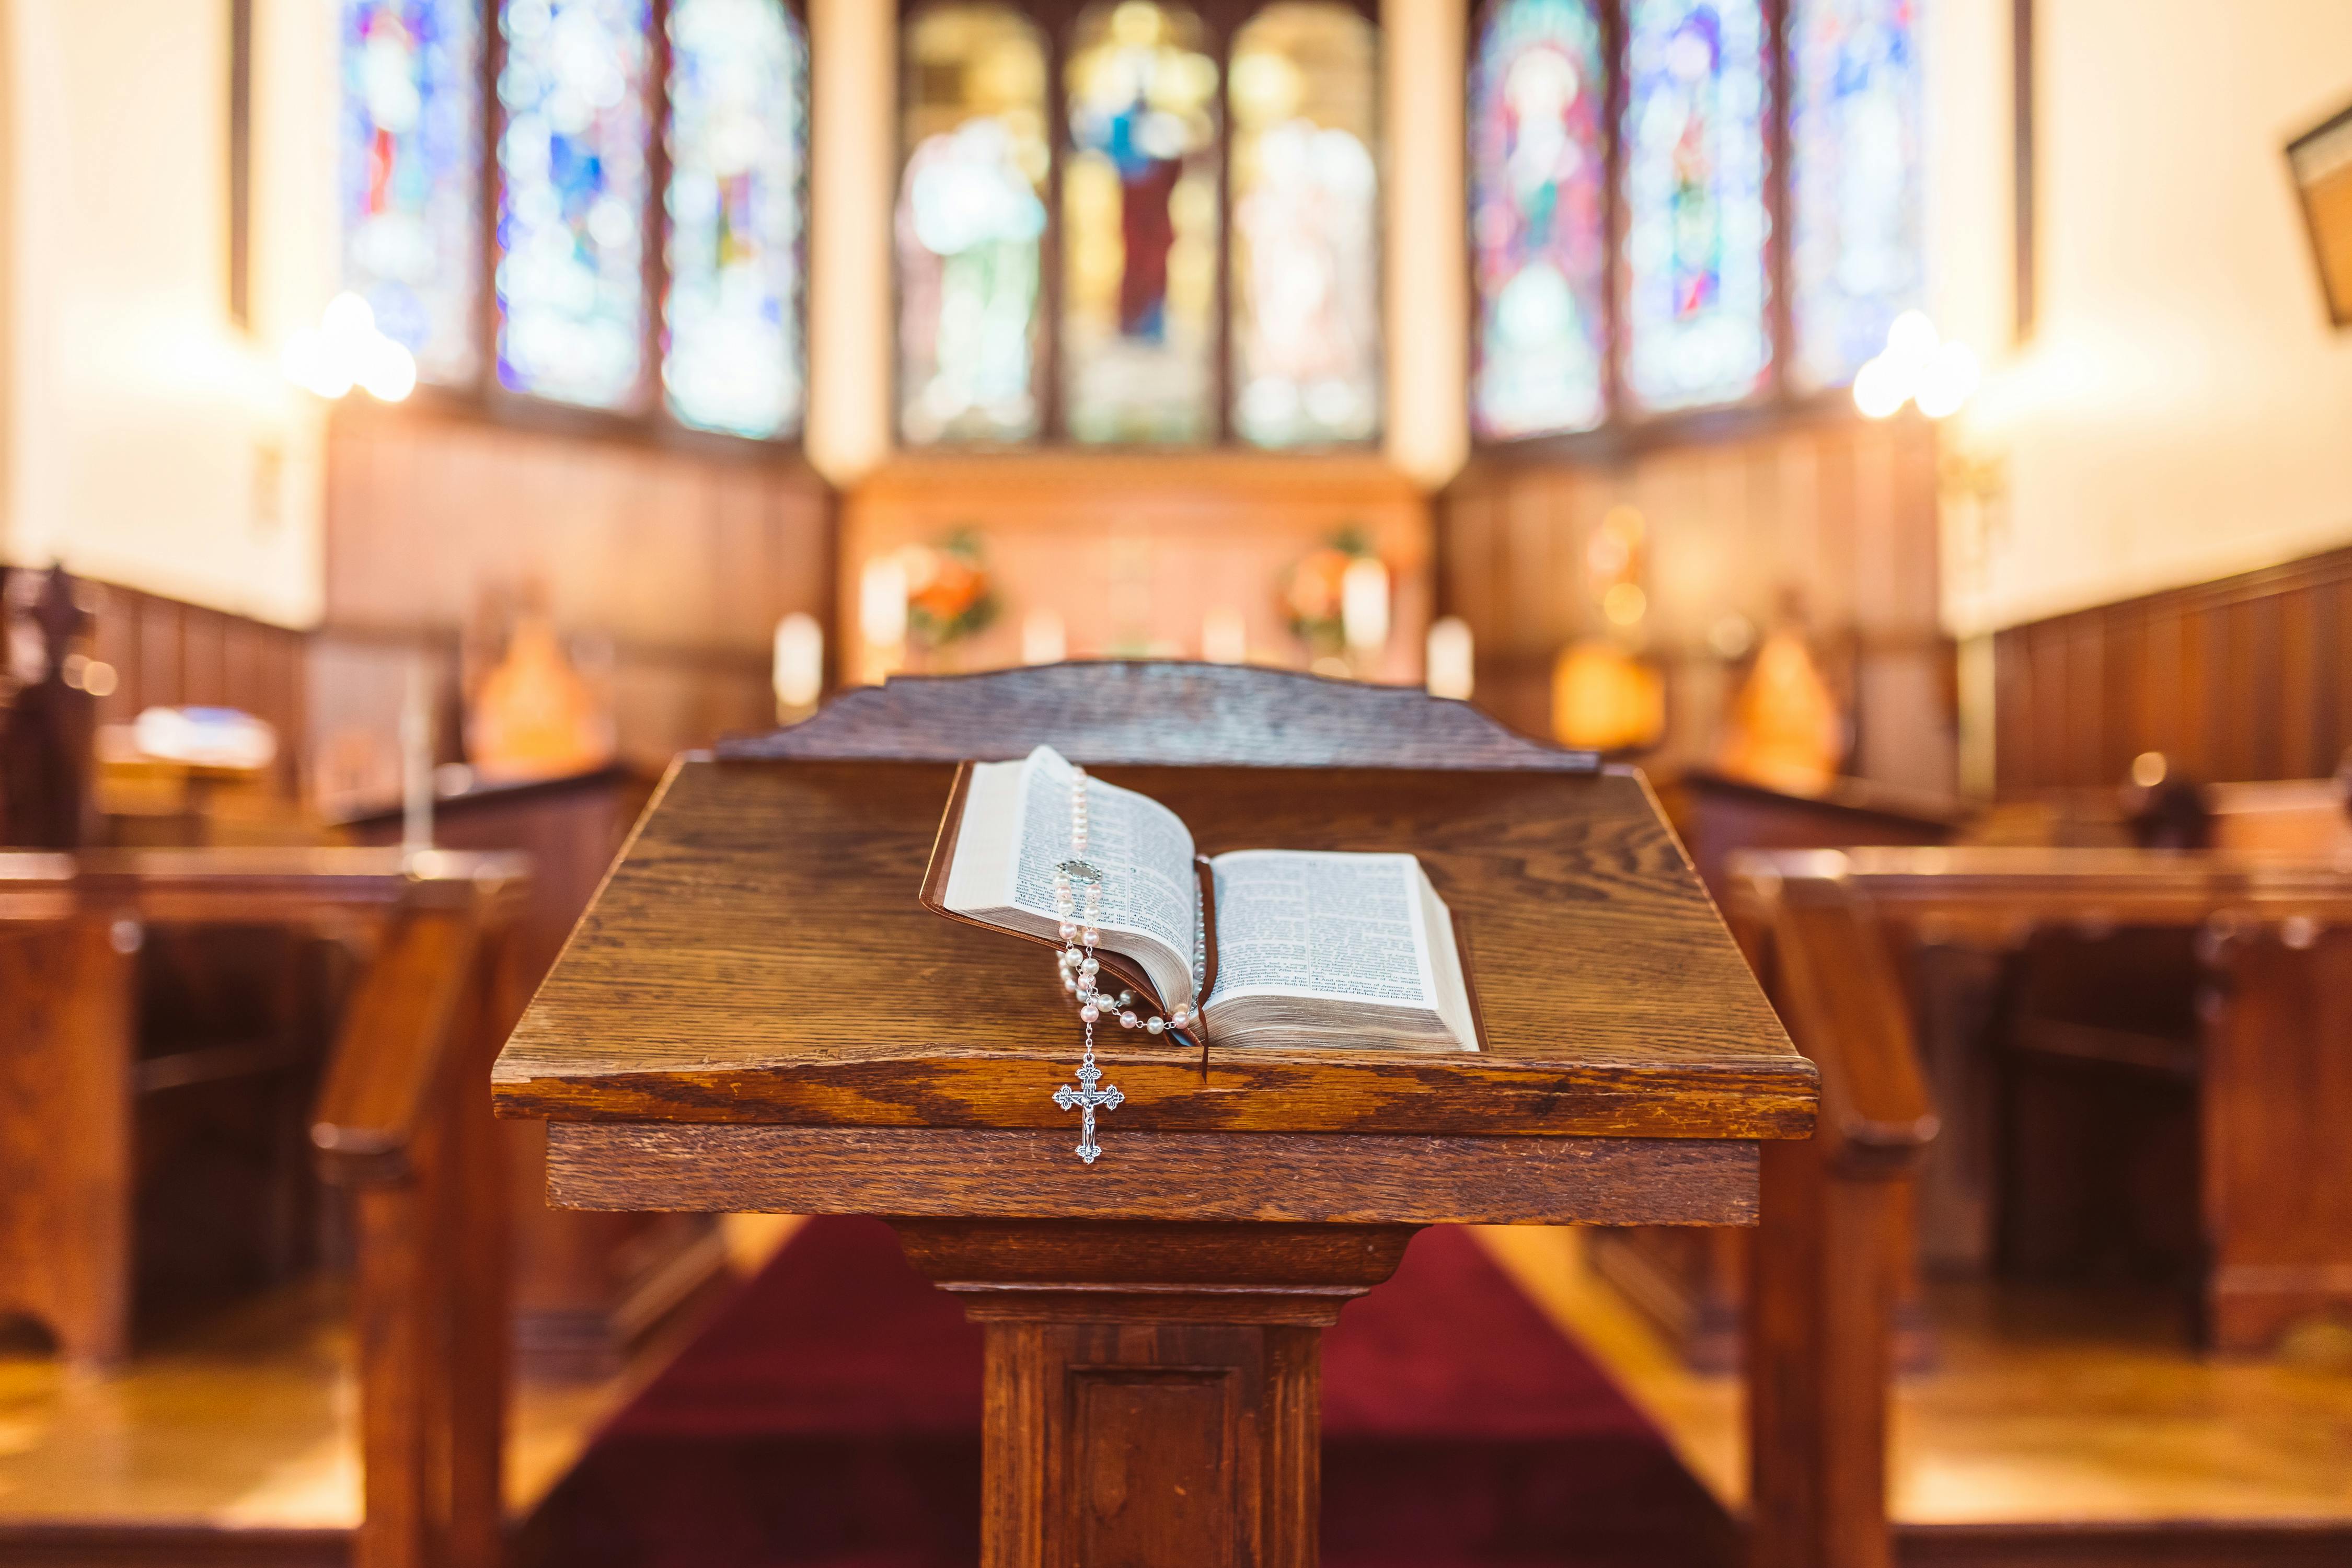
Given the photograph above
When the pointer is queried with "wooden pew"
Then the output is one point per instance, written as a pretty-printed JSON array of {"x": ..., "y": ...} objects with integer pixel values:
[
  {"x": 404, "y": 1122},
  {"x": 403, "y": 1118},
  {"x": 1691, "y": 1284},
  {"x": 1833, "y": 931},
  {"x": 1831, "y": 1254},
  {"x": 587, "y": 1287}
]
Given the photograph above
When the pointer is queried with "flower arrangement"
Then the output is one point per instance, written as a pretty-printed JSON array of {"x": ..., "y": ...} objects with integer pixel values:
[
  {"x": 1314, "y": 593},
  {"x": 949, "y": 596}
]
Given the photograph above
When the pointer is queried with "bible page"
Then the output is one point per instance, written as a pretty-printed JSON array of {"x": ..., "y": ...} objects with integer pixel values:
[
  {"x": 1307, "y": 923},
  {"x": 1143, "y": 850}
]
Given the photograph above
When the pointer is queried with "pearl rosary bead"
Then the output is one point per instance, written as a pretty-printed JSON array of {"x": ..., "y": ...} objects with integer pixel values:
[{"x": 1078, "y": 908}]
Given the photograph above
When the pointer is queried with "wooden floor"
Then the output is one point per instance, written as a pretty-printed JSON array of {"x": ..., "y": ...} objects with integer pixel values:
[
  {"x": 249, "y": 1422},
  {"x": 2060, "y": 1410},
  {"x": 243, "y": 1433}
]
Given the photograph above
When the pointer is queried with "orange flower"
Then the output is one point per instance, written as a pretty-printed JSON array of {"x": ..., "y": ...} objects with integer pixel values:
[
  {"x": 1314, "y": 585},
  {"x": 954, "y": 586}
]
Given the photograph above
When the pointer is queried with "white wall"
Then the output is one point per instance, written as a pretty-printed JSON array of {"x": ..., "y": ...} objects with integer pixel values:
[
  {"x": 2183, "y": 409},
  {"x": 853, "y": 186},
  {"x": 143, "y": 438}
]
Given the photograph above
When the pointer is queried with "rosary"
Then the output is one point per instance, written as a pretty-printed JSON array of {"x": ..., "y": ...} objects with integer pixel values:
[{"x": 1079, "y": 967}]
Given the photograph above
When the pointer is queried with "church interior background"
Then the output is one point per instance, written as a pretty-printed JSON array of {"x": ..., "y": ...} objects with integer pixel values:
[{"x": 1884, "y": 422}]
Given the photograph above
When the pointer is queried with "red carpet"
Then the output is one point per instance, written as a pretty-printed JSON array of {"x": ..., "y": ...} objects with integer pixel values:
[{"x": 831, "y": 1418}]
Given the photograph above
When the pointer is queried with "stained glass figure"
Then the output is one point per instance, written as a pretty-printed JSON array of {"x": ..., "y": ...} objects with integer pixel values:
[
  {"x": 1306, "y": 199},
  {"x": 1538, "y": 218},
  {"x": 411, "y": 174},
  {"x": 731, "y": 353},
  {"x": 572, "y": 200},
  {"x": 1856, "y": 255},
  {"x": 1140, "y": 220},
  {"x": 1695, "y": 285},
  {"x": 971, "y": 225}
]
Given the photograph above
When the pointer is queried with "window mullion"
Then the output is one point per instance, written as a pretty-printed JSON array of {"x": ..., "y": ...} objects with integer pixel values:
[
  {"x": 654, "y": 246},
  {"x": 1780, "y": 314},
  {"x": 1221, "y": 378},
  {"x": 1053, "y": 421},
  {"x": 1614, "y": 35},
  {"x": 494, "y": 130}
]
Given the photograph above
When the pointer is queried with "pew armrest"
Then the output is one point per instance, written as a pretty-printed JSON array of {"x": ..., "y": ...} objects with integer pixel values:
[
  {"x": 1842, "y": 997},
  {"x": 395, "y": 1040}
]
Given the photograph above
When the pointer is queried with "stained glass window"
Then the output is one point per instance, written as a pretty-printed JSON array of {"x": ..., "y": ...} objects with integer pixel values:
[
  {"x": 731, "y": 356},
  {"x": 411, "y": 174},
  {"x": 1538, "y": 218},
  {"x": 1306, "y": 245},
  {"x": 573, "y": 199},
  {"x": 971, "y": 225},
  {"x": 1855, "y": 258},
  {"x": 1140, "y": 226},
  {"x": 1695, "y": 282}
]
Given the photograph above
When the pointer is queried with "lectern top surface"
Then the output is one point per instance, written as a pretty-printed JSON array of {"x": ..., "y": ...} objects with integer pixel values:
[{"x": 759, "y": 956}]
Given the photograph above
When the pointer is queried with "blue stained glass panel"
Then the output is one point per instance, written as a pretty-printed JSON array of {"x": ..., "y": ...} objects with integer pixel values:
[
  {"x": 732, "y": 356},
  {"x": 410, "y": 173},
  {"x": 572, "y": 200},
  {"x": 1696, "y": 290},
  {"x": 1538, "y": 170},
  {"x": 1856, "y": 252}
]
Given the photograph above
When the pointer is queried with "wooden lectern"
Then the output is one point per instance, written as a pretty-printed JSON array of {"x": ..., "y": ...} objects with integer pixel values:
[{"x": 756, "y": 1014}]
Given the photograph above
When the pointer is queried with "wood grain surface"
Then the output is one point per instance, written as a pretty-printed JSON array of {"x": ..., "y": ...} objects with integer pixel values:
[
  {"x": 760, "y": 955},
  {"x": 1315, "y": 1178},
  {"x": 1160, "y": 711}
]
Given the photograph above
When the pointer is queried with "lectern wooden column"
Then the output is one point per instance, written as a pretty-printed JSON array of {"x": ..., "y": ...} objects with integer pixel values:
[{"x": 757, "y": 1014}]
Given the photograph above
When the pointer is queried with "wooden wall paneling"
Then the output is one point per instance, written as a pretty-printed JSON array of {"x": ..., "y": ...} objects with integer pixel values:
[
  {"x": 169, "y": 654},
  {"x": 1842, "y": 511},
  {"x": 2166, "y": 712},
  {"x": 679, "y": 560},
  {"x": 2012, "y": 714},
  {"x": 2123, "y": 676},
  {"x": 2326, "y": 653},
  {"x": 2298, "y": 666},
  {"x": 2084, "y": 707},
  {"x": 2262, "y": 713},
  {"x": 2335, "y": 646},
  {"x": 1874, "y": 542},
  {"x": 2203, "y": 647},
  {"x": 1918, "y": 528}
]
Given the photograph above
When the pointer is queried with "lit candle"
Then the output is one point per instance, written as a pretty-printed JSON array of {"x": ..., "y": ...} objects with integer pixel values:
[
  {"x": 1449, "y": 662},
  {"x": 1224, "y": 639},
  {"x": 1043, "y": 640},
  {"x": 1364, "y": 605},
  {"x": 882, "y": 613},
  {"x": 799, "y": 665}
]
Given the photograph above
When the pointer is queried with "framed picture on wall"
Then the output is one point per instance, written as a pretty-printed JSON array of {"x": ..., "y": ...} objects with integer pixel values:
[{"x": 2321, "y": 162}]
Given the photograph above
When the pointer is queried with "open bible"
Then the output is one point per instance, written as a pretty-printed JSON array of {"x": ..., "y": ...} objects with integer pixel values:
[{"x": 1310, "y": 948}]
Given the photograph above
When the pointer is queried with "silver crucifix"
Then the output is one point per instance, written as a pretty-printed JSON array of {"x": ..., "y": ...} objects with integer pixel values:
[{"x": 1084, "y": 1100}]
